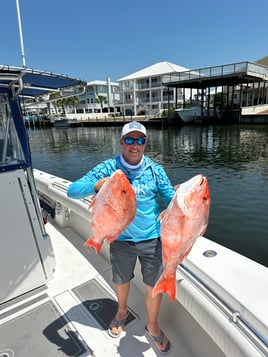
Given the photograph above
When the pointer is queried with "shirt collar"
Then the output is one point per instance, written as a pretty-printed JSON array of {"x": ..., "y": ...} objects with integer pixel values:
[{"x": 129, "y": 166}]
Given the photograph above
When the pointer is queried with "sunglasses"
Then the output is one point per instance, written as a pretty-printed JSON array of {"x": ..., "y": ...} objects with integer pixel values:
[{"x": 131, "y": 141}]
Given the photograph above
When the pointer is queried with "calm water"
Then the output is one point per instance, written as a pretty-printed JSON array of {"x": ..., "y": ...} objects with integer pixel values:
[{"x": 234, "y": 159}]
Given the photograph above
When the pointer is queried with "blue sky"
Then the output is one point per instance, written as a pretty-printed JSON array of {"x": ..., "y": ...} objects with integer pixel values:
[{"x": 96, "y": 39}]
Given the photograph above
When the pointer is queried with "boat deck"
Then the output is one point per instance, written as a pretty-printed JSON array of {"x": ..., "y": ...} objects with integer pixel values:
[{"x": 71, "y": 314}]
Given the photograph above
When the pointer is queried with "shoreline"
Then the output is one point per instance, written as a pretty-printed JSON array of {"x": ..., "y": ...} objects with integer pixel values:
[{"x": 162, "y": 122}]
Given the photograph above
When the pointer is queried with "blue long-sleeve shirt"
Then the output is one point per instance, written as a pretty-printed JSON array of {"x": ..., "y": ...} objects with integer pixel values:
[{"x": 148, "y": 181}]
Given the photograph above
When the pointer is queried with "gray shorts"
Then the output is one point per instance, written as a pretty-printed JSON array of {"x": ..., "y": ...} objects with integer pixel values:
[{"x": 123, "y": 257}]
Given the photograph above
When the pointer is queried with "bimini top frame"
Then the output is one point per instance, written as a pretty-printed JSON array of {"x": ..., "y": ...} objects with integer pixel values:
[
  {"x": 31, "y": 83},
  {"x": 16, "y": 84}
]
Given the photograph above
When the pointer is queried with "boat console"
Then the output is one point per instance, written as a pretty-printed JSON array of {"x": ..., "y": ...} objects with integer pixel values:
[{"x": 27, "y": 253}]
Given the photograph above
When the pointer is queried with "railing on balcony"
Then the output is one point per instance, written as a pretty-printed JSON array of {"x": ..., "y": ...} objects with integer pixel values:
[
  {"x": 156, "y": 84},
  {"x": 142, "y": 85},
  {"x": 218, "y": 71},
  {"x": 145, "y": 85}
]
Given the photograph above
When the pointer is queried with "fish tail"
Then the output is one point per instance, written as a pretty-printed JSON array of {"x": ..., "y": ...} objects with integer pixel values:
[
  {"x": 166, "y": 285},
  {"x": 92, "y": 243}
]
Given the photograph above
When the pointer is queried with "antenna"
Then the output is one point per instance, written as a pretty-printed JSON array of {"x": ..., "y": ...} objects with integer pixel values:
[{"x": 21, "y": 37}]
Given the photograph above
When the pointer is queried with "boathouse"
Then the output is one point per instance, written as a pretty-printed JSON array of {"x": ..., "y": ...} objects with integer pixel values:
[{"x": 237, "y": 90}]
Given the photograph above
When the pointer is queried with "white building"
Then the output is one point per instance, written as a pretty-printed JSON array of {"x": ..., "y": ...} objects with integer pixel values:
[
  {"x": 99, "y": 97},
  {"x": 142, "y": 92}
]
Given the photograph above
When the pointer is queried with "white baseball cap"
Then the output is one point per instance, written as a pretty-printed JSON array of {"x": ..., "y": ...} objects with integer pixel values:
[{"x": 133, "y": 126}]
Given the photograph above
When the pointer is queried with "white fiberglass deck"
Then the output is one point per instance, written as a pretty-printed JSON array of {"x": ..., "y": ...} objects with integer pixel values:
[
  {"x": 75, "y": 270},
  {"x": 74, "y": 327}
]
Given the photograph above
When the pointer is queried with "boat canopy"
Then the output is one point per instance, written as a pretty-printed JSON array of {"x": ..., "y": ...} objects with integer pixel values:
[{"x": 31, "y": 83}]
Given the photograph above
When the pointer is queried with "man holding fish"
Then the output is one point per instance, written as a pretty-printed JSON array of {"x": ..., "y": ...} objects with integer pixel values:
[
  {"x": 141, "y": 238},
  {"x": 126, "y": 213}
]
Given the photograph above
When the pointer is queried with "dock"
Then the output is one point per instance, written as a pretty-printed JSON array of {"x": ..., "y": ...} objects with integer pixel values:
[
  {"x": 161, "y": 122},
  {"x": 106, "y": 121}
]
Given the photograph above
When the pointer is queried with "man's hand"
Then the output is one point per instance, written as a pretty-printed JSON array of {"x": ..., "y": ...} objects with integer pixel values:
[{"x": 99, "y": 183}]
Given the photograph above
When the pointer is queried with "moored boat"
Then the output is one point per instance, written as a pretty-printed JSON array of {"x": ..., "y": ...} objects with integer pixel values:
[
  {"x": 63, "y": 122},
  {"x": 190, "y": 115},
  {"x": 57, "y": 298}
]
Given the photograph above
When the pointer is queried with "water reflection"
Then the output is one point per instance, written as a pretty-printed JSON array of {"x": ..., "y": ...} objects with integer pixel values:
[
  {"x": 217, "y": 146},
  {"x": 234, "y": 158}
]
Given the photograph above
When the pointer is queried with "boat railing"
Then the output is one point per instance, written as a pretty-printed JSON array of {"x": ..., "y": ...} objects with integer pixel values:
[
  {"x": 228, "y": 306},
  {"x": 54, "y": 189}
]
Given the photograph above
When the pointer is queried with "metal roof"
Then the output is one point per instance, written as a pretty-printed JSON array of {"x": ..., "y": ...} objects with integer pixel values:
[
  {"x": 101, "y": 83},
  {"x": 29, "y": 82}
]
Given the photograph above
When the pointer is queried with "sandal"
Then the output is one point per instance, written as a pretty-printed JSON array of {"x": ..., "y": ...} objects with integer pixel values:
[
  {"x": 116, "y": 324},
  {"x": 160, "y": 339}
]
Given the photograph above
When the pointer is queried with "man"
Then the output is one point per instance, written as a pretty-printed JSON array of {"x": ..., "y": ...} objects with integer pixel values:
[{"x": 142, "y": 238}]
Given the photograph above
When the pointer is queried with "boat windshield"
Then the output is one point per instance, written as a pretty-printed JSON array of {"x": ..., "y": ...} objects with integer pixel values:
[{"x": 11, "y": 152}]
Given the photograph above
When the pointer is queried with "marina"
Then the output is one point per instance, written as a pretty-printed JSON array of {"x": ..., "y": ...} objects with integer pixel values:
[
  {"x": 231, "y": 93},
  {"x": 58, "y": 298}
]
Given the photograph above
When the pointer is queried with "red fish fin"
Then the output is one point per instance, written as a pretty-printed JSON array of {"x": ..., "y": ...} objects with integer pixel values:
[
  {"x": 203, "y": 231},
  {"x": 160, "y": 217},
  {"x": 92, "y": 202},
  {"x": 185, "y": 254},
  {"x": 92, "y": 243},
  {"x": 110, "y": 239},
  {"x": 166, "y": 285}
]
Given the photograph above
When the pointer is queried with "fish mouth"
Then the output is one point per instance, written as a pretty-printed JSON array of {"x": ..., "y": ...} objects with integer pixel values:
[
  {"x": 202, "y": 180},
  {"x": 196, "y": 184},
  {"x": 202, "y": 183}
]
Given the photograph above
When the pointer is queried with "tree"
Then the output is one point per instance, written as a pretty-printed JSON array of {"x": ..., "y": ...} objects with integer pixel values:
[
  {"x": 64, "y": 102},
  {"x": 101, "y": 99},
  {"x": 72, "y": 101}
]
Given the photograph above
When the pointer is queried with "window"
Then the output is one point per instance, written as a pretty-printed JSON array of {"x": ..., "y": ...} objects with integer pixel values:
[{"x": 10, "y": 146}]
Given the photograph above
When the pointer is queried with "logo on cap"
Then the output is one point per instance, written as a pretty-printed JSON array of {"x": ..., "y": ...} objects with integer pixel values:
[{"x": 135, "y": 126}]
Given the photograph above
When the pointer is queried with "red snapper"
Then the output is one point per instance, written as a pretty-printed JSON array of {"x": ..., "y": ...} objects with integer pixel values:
[
  {"x": 113, "y": 209},
  {"x": 184, "y": 220}
]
